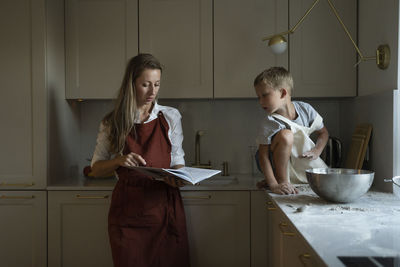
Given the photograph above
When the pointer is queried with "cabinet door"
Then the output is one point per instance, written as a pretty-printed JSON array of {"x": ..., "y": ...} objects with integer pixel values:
[
  {"x": 23, "y": 228},
  {"x": 23, "y": 96},
  {"x": 259, "y": 229},
  {"x": 239, "y": 53},
  {"x": 295, "y": 250},
  {"x": 275, "y": 243},
  {"x": 218, "y": 224},
  {"x": 77, "y": 231},
  {"x": 179, "y": 34},
  {"x": 322, "y": 58},
  {"x": 101, "y": 35}
]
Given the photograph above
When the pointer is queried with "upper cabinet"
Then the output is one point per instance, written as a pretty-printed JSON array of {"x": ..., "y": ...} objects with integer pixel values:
[
  {"x": 101, "y": 36},
  {"x": 23, "y": 95},
  {"x": 209, "y": 49},
  {"x": 179, "y": 34},
  {"x": 239, "y": 53},
  {"x": 322, "y": 57}
]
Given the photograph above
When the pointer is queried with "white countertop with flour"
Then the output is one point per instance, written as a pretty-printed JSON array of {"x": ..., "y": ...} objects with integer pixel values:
[{"x": 369, "y": 226}]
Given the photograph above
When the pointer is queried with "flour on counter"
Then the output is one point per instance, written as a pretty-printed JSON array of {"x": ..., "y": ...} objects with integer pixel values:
[{"x": 347, "y": 208}]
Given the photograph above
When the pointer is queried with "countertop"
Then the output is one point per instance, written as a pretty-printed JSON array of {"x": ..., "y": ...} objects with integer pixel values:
[
  {"x": 235, "y": 182},
  {"x": 369, "y": 226}
]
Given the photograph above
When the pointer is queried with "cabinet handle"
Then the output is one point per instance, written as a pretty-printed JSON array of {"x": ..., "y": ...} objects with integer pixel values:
[
  {"x": 22, "y": 184},
  {"x": 197, "y": 197},
  {"x": 92, "y": 197},
  {"x": 16, "y": 197},
  {"x": 282, "y": 226},
  {"x": 269, "y": 203},
  {"x": 304, "y": 258}
]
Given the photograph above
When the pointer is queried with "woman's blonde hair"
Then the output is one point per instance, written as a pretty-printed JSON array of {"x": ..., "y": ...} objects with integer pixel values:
[
  {"x": 121, "y": 121},
  {"x": 275, "y": 78}
]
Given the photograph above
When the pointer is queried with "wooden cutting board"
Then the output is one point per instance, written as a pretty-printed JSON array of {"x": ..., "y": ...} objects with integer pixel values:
[{"x": 358, "y": 146}]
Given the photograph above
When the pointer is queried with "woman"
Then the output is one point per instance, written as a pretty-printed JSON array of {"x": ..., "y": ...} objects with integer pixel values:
[{"x": 146, "y": 221}]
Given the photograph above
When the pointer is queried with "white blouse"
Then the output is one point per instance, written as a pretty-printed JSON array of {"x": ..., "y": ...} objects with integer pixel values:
[{"x": 175, "y": 134}]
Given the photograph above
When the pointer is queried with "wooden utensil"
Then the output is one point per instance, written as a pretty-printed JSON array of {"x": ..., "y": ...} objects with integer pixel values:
[{"x": 358, "y": 146}]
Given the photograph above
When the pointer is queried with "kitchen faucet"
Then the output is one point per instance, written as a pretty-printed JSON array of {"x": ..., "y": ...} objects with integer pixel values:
[{"x": 197, "y": 162}]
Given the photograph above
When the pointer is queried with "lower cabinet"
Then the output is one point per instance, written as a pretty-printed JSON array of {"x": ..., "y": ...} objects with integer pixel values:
[
  {"x": 286, "y": 247},
  {"x": 218, "y": 224},
  {"x": 77, "y": 228},
  {"x": 23, "y": 228},
  {"x": 259, "y": 230}
]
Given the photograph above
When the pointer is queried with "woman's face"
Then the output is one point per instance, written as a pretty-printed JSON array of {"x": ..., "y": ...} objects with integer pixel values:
[{"x": 147, "y": 86}]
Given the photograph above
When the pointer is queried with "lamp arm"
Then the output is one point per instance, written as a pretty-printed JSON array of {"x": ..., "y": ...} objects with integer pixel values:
[
  {"x": 304, "y": 16},
  {"x": 295, "y": 26},
  {"x": 362, "y": 58}
]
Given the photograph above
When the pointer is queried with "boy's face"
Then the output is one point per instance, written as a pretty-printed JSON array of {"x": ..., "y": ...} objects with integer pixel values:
[{"x": 269, "y": 98}]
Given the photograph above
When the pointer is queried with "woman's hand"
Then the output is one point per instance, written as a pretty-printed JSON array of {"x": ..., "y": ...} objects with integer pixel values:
[
  {"x": 284, "y": 189},
  {"x": 130, "y": 160},
  {"x": 174, "y": 182}
]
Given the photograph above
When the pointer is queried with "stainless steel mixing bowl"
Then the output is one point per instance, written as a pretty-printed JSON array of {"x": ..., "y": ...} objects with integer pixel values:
[{"x": 339, "y": 185}]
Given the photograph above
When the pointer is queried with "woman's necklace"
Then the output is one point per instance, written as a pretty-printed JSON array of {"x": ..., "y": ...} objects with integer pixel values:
[{"x": 144, "y": 113}]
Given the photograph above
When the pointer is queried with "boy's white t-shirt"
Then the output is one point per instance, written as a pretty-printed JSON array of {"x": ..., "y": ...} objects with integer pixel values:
[{"x": 270, "y": 126}]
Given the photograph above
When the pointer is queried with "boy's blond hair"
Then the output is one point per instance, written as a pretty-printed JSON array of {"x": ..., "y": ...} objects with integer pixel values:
[{"x": 276, "y": 78}]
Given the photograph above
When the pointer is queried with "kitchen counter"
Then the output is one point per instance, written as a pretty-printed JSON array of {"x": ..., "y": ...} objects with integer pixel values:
[
  {"x": 369, "y": 226},
  {"x": 236, "y": 182}
]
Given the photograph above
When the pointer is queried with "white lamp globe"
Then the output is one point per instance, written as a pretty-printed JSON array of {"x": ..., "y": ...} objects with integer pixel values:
[{"x": 278, "y": 44}]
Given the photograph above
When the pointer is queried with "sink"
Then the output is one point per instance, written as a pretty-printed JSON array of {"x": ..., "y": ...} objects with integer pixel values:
[{"x": 220, "y": 180}]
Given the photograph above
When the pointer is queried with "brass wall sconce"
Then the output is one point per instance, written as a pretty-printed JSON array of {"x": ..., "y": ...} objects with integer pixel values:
[{"x": 278, "y": 43}]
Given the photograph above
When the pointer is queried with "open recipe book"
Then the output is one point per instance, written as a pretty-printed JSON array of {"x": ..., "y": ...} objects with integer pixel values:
[{"x": 192, "y": 175}]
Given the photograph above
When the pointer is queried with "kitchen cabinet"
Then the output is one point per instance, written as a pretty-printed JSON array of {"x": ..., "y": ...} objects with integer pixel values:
[
  {"x": 23, "y": 228},
  {"x": 179, "y": 34},
  {"x": 100, "y": 36},
  {"x": 295, "y": 251},
  {"x": 23, "y": 95},
  {"x": 201, "y": 54},
  {"x": 239, "y": 53},
  {"x": 218, "y": 224},
  {"x": 322, "y": 57},
  {"x": 77, "y": 228},
  {"x": 274, "y": 218},
  {"x": 286, "y": 246},
  {"x": 259, "y": 230}
]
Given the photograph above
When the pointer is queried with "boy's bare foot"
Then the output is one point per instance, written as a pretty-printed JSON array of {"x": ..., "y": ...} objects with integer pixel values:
[{"x": 262, "y": 184}]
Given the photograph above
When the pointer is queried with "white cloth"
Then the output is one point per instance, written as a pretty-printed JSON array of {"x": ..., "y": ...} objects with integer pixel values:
[
  {"x": 301, "y": 143},
  {"x": 175, "y": 134}
]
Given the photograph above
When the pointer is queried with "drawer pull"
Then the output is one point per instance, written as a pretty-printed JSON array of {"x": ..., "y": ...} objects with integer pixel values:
[
  {"x": 197, "y": 197},
  {"x": 92, "y": 197},
  {"x": 304, "y": 258},
  {"x": 20, "y": 185},
  {"x": 282, "y": 226},
  {"x": 270, "y": 206},
  {"x": 16, "y": 197}
]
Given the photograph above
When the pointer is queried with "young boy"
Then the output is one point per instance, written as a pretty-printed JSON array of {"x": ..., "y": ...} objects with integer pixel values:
[{"x": 285, "y": 149}]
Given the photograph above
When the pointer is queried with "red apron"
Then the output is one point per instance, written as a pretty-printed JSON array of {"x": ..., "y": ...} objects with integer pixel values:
[{"x": 146, "y": 221}]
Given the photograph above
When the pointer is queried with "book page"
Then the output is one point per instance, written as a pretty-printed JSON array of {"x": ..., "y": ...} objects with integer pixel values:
[{"x": 193, "y": 175}]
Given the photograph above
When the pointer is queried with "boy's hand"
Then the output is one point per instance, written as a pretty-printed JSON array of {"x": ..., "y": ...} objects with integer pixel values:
[
  {"x": 311, "y": 155},
  {"x": 283, "y": 189}
]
